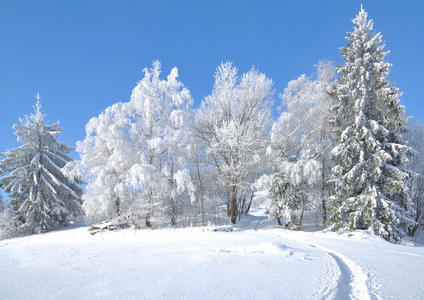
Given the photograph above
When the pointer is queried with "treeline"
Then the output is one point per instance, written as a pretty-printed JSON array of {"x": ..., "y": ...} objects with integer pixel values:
[{"x": 341, "y": 146}]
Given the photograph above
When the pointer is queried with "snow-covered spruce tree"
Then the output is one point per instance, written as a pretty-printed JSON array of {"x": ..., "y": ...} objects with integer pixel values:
[
  {"x": 370, "y": 190},
  {"x": 42, "y": 198}
]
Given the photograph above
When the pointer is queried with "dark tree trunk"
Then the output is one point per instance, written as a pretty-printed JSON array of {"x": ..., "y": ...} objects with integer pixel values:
[
  {"x": 414, "y": 230},
  {"x": 324, "y": 212},
  {"x": 234, "y": 208},
  {"x": 323, "y": 179},
  {"x": 228, "y": 203},
  {"x": 148, "y": 224},
  {"x": 242, "y": 210},
  {"x": 202, "y": 199},
  {"x": 117, "y": 207},
  {"x": 149, "y": 211},
  {"x": 303, "y": 210},
  {"x": 250, "y": 202},
  {"x": 173, "y": 221},
  {"x": 279, "y": 221},
  {"x": 173, "y": 213}
]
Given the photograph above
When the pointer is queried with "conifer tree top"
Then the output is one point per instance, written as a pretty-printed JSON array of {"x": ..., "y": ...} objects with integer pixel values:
[
  {"x": 361, "y": 20},
  {"x": 37, "y": 108}
]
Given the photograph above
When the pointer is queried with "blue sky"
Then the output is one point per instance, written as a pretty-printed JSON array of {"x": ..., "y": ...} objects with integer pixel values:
[{"x": 85, "y": 55}]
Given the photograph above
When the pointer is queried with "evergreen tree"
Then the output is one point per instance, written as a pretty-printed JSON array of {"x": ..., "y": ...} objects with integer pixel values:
[
  {"x": 41, "y": 196},
  {"x": 370, "y": 190}
]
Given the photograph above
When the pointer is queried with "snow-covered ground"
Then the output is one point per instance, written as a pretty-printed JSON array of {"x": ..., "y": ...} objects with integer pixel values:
[{"x": 255, "y": 261}]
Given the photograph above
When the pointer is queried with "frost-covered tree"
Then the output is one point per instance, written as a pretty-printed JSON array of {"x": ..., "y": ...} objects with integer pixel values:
[
  {"x": 301, "y": 138},
  {"x": 10, "y": 224},
  {"x": 103, "y": 165},
  {"x": 322, "y": 90},
  {"x": 291, "y": 189},
  {"x": 370, "y": 190},
  {"x": 204, "y": 177},
  {"x": 134, "y": 155},
  {"x": 42, "y": 198},
  {"x": 414, "y": 135},
  {"x": 285, "y": 199},
  {"x": 233, "y": 122}
]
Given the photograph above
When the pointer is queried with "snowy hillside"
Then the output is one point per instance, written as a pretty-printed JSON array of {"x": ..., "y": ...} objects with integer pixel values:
[{"x": 257, "y": 260}]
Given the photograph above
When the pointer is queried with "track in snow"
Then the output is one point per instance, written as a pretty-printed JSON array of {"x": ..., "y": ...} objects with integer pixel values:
[{"x": 352, "y": 281}]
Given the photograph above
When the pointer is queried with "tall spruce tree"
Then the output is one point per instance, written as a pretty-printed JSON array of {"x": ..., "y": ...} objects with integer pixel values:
[
  {"x": 41, "y": 197},
  {"x": 370, "y": 190}
]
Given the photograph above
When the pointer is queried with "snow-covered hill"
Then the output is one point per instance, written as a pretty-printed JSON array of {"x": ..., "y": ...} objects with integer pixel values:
[{"x": 255, "y": 261}]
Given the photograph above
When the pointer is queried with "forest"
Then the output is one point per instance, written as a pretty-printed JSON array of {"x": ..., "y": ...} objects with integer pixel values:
[{"x": 340, "y": 147}]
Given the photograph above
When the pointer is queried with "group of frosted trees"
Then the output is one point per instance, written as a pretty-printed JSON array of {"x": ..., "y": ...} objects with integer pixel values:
[{"x": 341, "y": 146}]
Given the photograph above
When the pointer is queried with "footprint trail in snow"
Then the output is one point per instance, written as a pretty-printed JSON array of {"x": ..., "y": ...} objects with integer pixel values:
[{"x": 352, "y": 281}]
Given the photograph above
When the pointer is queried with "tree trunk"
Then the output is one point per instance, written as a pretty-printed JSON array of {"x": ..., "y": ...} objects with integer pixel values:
[
  {"x": 173, "y": 221},
  {"x": 303, "y": 210},
  {"x": 323, "y": 179},
  {"x": 324, "y": 211},
  {"x": 417, "y": 216},
  {"x": 228, "y": 202},
  {"x": 241, "y": 206},
  {"x": 149, "y": 210},
  {"x": 279, "y": 221},
  {"x": 250, "y": 202},
  {"x": 202, "y": 199},
  {"x": 414, "y": 230},
  {"x": 117, "y": 207},
  {"x": 148, "y": 224},
  {"x": 234, "y": 208}
]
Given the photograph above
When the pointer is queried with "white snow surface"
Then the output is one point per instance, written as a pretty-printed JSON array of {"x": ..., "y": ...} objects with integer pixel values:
[{"x": 258, "y": 260}]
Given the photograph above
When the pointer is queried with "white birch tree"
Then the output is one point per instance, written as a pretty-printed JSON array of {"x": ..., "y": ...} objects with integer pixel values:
[
  {"x": 234, "y": 123},
  {"x": 300, "y": 144}
]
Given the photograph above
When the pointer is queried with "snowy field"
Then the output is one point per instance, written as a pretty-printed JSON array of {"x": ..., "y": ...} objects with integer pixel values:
[{"x": 255, "y": 261}]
